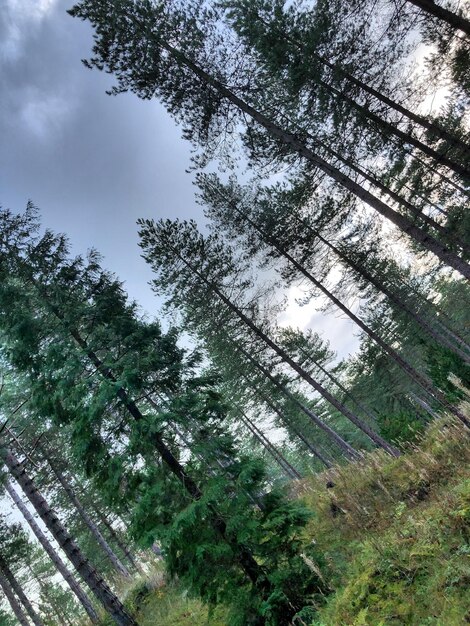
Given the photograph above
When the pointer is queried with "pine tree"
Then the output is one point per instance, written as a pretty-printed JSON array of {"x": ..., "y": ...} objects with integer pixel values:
[
  {"x": 133, "y": 42},
  {"x": 78, "y": 322}
]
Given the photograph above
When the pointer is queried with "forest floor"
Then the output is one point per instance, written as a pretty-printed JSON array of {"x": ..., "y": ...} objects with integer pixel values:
[{"x": 395, "y": 534}]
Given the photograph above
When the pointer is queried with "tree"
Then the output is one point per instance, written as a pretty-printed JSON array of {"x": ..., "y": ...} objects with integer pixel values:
[
  {"x": 78, "y": 322},
  {"x": 52, "y": 553},
  {"x": 97, "y": 585},
  {"x": 136, "y": 42},
  {"x": 176, "y": 250}
]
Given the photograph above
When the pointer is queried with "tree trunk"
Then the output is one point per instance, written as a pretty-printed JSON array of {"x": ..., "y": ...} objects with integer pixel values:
[
  {"x": 117, "y": 540},
  {"x": 285, "y": 420},
  {"x": 18, "y": 591},
  {"x": 13, "y": 602},
  {"x": 342, "y": 388},
  {"x": 403, "y": 223},
  {"x": 393, "y": 297},
  {"x": 420, "y": 379},
  {"x": 390, "y": 129},
  {"x": 384, "y": 189},
  {"x": 90, "y": 524},
  {"x": 83, "y": 566},
  {"x": 429, "y": 6},
  {"x": 432, "y": 127},
  {"x": 278, "y": 457},
  {"x": 375, "y": 437},
  {"x": 348, "y": 450},
  {"x": 51, "y": 552}
]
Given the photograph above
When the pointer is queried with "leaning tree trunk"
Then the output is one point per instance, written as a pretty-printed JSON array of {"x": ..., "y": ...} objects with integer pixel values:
[
  {"x": 400, "y": 221},
  {"x": 51, "y": 552},
  {"x": 432, "y": 127},
  {"x": 288, "y": 469},
  {"x": 455, "y": 20},
  {"x": 117, "y": 540},
  {"x": 13, "y": 602},
  {"x": 346, "y": 259},
  {"x": 90, "y": 524},
  {"x": 18, "y": 591},
  {"x": 83, "y": 566},
  {"x": 369, "y": 432},
  {"x": 278, "y": 411}
]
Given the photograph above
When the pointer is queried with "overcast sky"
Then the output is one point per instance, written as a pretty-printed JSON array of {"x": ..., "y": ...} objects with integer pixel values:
[{"x": 93, "y": 163}]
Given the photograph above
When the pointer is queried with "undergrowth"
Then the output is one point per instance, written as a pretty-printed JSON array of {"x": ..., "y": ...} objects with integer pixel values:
[{"x": 395, "y": 534}]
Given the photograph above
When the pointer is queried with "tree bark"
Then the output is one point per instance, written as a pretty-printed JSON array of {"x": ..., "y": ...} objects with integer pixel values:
[
  {"x": 90, "y": 524},
  {"x": 18, "y": 591},
  {"x": 13, "y": 602},
  {"x": 53, "y": 555},
  {"x": 82, "y": 565},
  {"x": 429, "y": 6}
]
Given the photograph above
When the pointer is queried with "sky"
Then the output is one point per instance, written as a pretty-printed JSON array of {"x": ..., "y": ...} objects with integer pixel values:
[{"x": 94, "y": 163}]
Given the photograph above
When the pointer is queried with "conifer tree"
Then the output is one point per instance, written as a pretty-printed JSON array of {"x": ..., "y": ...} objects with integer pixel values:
[
  {"x": 79, "y": 322},
  {"x": 52, "y": 553},
  {"x": 181, "y": 255},
  {"x": 144, "y": 46}
]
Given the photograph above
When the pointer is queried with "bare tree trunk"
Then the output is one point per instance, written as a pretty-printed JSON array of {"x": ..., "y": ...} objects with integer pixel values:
[
  {"x": 403, "y": 223},
  {"x": 90, "y": 524},
  {"x": 288, "y": 422},
  {"x": 51, "y": 552},
  {"x": 18, "y": 591},
  {"x": 83, "y": 566},
  {"x": 455, "y": 20},
  {"x": 13, "y": 602},
  {"x": 283, "y": 463},
  {"x": 432, "y": 127},
  {"x": 117, "y": 540}
]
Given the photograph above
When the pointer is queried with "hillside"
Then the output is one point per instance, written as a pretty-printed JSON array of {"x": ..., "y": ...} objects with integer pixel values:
[{"x": 395, "y": 535}]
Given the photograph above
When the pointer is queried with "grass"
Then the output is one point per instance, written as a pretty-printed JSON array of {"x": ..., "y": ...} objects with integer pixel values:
[{"x": 395, "y": 534}]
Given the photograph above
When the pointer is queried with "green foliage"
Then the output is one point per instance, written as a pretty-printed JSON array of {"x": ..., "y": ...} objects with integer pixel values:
[
  {"x": 397, "y": 534},
  {"x": 400, "y": 427}
]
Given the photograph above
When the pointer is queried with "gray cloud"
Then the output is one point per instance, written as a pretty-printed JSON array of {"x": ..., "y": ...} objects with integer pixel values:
[{"x": 92, "y": 163}]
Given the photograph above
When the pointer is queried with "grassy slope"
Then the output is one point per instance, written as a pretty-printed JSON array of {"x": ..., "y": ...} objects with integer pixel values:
[{"x": 396, "y": 534}]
